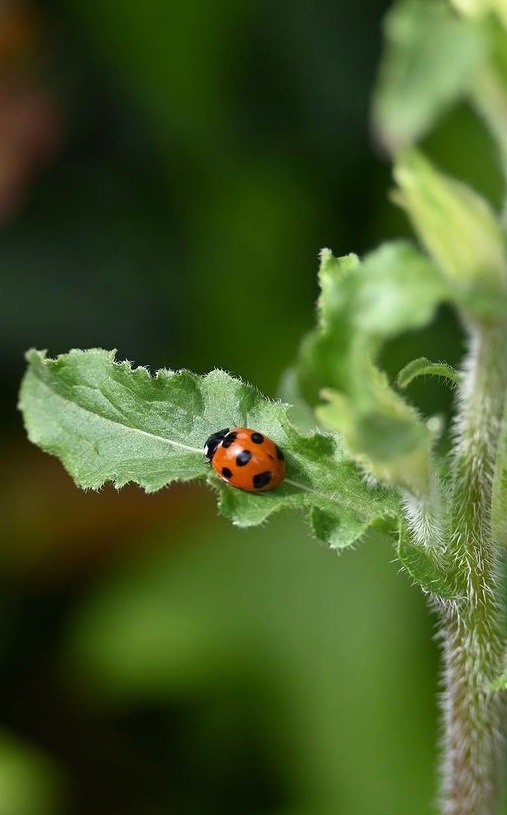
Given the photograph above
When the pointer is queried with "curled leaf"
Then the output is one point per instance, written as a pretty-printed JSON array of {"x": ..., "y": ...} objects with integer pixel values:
[
  {"x": 362, "y": 304},
  {"x": 423, "y": 367}
]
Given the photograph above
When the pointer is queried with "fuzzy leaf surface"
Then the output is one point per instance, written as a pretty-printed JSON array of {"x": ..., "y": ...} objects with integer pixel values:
[
  {"x": 362, "y": 304},
  {"x": 423, "y": 367},
  {"x": 107, "y": 421},
  {"x": 428, "y": 570}
]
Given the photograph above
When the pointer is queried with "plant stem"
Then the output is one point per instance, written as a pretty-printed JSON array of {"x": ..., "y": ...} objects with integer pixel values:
[{"x": 472, "y": 629}]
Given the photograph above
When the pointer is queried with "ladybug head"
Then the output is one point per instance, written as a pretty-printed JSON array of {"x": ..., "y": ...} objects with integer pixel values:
[{"x": 213, "y": 442}]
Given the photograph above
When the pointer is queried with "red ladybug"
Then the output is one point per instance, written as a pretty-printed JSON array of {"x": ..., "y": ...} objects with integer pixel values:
[{"x": 246, "y": 459}]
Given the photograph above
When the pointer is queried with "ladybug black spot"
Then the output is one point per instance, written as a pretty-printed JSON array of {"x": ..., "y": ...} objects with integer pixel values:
[
  {"x": 257, "y": 438},
  {"x": 280, "y": 456},
  {"x": 226, "y": 472},
  {"x": 243, "y": 458},
  {"x": 262, "y": 479}
]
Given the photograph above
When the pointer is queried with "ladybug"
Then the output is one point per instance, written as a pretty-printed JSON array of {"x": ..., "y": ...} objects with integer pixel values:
[{"x": 246, "y": 459}]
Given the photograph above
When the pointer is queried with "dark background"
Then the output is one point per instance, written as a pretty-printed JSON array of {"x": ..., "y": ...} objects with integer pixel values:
[{"x": 168, "y": 174}]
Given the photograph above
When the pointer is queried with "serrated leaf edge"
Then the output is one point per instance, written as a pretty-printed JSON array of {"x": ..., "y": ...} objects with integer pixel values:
[{"x": 107, "y": 419}]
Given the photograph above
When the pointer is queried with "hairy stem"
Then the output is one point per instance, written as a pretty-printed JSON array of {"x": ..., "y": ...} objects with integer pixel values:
[{"x": 472, "y": 629}]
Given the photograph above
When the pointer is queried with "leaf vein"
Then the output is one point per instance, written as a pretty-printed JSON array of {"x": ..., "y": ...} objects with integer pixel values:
[{"x": 171, "y": 442}]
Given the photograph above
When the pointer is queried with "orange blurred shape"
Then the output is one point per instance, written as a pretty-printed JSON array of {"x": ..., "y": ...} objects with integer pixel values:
[
  {"x": 30, "y": 136},
  {"x": 31, "y": 122},
  {"x": 20, "y": 33}
]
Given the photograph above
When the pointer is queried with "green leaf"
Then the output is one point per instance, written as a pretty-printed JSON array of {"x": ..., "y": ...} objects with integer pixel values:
[
  {"x": 500, "y": 8},
  {"x": 362, "y": 304},
  {"x": 489, "y": 91},
  {"x": 428, "y": 569},
  {"x": 430, "y": 59},
  {"x": 107, "y": 421},
  {"x": 392, "y": 444},
  {"x": 423, "y": 367},
  {"x": 476, "y": 9},
  {"x": 318, "y": 468},
  {"x": 460, "y": 231},
  {"x": 392, "y": 289}
]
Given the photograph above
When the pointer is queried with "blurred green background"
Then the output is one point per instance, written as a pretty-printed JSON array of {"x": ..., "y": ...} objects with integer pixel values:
[{"x": 168, "y": 173}]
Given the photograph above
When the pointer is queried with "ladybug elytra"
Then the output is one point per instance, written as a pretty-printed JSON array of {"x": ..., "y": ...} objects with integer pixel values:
[{"x": 246, "y": 459}]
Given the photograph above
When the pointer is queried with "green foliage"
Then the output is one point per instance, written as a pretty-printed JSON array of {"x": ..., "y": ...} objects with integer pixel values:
[
  {"x": 107, "y": 421},
  {"x": 362, "y": 304},
  {"x": 353, "y": 430},
  {"x": 460, "y": 231},
  {"x": 430, "y": 61},
  {"x": 428, "y": 569},
  {"x": 423, "y": 367},
  {"x": 435, "y": 56}
]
